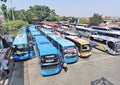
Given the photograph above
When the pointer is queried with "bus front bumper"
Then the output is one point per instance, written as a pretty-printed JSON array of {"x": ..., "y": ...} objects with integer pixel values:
[
  {"x": 52, "y": 71},
  {"x": 71, "y": 60},
  {"x": 24, "y": 57}
]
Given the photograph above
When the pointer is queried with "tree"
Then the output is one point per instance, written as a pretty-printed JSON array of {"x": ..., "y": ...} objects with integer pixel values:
[
  {"x": 95, "y": 20},
  {"x": 40, "y": 12},
  {"x": 13, "y": 26},
  {"x": 83, "y": 20},
  {"x": 52, "y": 16},
  {"x": 4, "y": 9}
]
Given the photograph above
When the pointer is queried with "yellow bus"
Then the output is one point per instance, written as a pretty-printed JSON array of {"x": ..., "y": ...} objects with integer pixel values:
[{"x": 84, "y": 48}]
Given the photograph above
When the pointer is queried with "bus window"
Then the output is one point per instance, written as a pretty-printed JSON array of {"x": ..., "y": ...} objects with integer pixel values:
[
  {"x": 70, "y": 51},
  {"x": 111, "y": 45},
  {"x": 50, "y": 61},
  {"x": 86, "y": 48}
]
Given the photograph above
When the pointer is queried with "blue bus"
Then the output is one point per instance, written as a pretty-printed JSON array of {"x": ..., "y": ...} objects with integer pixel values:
[
  {"x": 67, "y": 48},
  {"x": 21, "y": 48},
  {"x": 49, "y": 56},
  {"x": 32, "y": 33}
]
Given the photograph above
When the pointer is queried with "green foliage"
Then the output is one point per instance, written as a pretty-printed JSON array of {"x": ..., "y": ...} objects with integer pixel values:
[
  {"x": 83, "y": 20},
  {"x": 13, "y": 26},
  {"x": 95, "y": 20},
  {"x": 39, "y": 12},
  {"x": 36, "y": 12},
  {"x": 4, "y": 9},
  {"x": 59, "y": 18}
]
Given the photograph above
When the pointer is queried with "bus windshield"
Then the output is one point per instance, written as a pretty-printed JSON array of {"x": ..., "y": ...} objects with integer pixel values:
[
  {"x": 86, "y": 48},
  {"x": 70, "y": 51},
  {"x": 50, "y": 61},
  {"x": 21, "y": 49}
]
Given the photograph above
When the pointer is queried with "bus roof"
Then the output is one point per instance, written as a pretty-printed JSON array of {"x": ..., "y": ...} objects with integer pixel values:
[
  {"x": 71, "y": 33},
  {"x": 35, "y": 33},
  {"x": 32, "y": 29},
  {"x": 41, "y": 40},
  {"x": 46, "y": 31},
  {"x": 77, "y": 39},
  {"x": 85, "y": 28},
  {"x": 20, "y": 39},
  {"x": 46, "y": 26},
  {"x": 106, "y": 38},
  {"x": 44, "y": 45},
  {"x": 47, "y": 49},
  {"x": 63, "y": 42}
]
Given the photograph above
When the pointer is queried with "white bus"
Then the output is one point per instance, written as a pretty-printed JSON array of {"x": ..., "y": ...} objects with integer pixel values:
[
  {"x": 105, "y": 43},
  {"x": 83, "y": 31},
  {"x": 115, "y": 34},
  {"x": 96, "y": 28},
  {"x": 115, "y": 28}
]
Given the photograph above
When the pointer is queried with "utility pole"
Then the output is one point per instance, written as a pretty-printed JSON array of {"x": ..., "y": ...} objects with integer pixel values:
[{"x": 12, "y": 11}]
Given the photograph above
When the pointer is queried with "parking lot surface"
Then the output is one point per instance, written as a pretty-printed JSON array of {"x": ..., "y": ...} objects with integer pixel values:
[{"x": 83, "y": 72}]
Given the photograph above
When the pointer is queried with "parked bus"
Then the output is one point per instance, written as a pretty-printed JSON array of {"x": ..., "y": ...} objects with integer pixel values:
[
  {"x": 84, "y": 48},
  {"x": 96, "y": 28},
  {"x": 49, "y": 56},
  {"x": 85, "y": 32},
  {"x": 66, "y": 33},
  {"x": 115, "y": 28},
  {"x": 105, "y": 43},
  {"x": 21, "y": 48},
  {"x": 32, "y": 33},
  {"x": 47, "y": 27},
  {"x": 114, "y": 34},
  {"x": 67, "y": 48}
]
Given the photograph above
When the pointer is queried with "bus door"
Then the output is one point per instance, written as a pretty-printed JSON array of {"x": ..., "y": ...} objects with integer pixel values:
[
  {"x": 78, "y": 48},
  {"x": 111, "y": 47}
]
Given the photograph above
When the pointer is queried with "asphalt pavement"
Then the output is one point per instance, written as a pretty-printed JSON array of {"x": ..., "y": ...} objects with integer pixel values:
[{"x": 86, "y": 70}]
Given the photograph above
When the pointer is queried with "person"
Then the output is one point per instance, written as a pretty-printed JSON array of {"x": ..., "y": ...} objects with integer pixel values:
[
  {"x": 65, "y": 67},
  {"x": 0, "y": 71},
  {"x": 30, "y": 46},
  {"x": 5, "y": 67}
]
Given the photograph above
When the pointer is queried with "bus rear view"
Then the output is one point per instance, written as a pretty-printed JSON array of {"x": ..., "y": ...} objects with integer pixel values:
[
  {"x": 84, "y": 48},
  {"x": 50, "y": 64},
  {"x": 49, "y": 56}
]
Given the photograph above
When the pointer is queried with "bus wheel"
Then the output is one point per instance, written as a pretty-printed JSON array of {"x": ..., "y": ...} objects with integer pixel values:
[{"x": 107, "y": 52}]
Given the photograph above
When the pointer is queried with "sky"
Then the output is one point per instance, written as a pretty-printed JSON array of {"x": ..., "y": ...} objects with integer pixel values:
[{"x": 76, "y": 8}]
